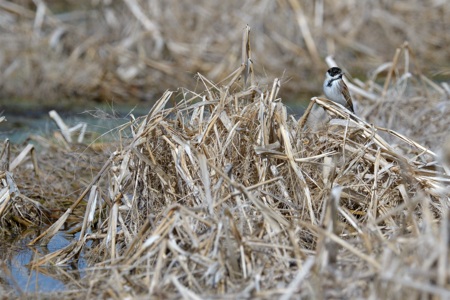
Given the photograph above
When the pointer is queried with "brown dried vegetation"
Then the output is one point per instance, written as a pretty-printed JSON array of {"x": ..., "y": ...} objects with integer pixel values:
[
  {"x": 132, "y": 49},
  {"x": 227, "y": 195}
]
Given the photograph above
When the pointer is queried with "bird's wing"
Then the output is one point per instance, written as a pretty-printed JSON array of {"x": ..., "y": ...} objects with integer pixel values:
[{"x": 347, "y": 96}]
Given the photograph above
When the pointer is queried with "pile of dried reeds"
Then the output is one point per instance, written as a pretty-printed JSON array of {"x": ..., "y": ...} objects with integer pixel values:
[
  {"x": 37, "y": 185},
  {"x": 226, "y": 195},
  {"x": 135, "y": 49}
]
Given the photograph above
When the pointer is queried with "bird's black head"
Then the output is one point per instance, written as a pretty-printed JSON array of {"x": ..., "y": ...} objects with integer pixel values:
[{"x": 334, "y": 71}]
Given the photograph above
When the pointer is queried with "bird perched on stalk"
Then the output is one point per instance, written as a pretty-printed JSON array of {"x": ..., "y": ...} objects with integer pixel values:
[{"x": 335, "y": 88}]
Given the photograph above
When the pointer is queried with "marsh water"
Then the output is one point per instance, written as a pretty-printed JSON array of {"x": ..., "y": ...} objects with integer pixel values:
[
  {"x": 23, "y": 279},
  {"x": 23, "y": 121}
]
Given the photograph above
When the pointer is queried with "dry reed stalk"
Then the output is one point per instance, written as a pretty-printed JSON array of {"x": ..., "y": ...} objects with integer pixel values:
[
  {"x": 16, "y": 209},
  {"x": 52, "y": 230}
]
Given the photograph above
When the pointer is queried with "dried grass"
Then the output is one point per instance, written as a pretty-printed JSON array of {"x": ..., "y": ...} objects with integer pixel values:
[
  {"x": 135, "y": 49},
  {"x": 36, "y": 187},
  {"x": 227, "y": 195}
]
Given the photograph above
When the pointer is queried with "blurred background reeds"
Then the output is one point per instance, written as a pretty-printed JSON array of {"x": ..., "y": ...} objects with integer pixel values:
[{"x": 132, "y": 50}]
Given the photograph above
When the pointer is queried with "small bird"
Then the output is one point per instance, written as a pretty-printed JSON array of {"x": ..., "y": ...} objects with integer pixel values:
[{"x": 335, "y": 88}]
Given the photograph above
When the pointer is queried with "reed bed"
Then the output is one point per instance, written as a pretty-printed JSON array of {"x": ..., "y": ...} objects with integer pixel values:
[
  {"x": 135, "y": 49},
  {"x": 218, "y": 192},
  {"x": 226, "y": 195}
]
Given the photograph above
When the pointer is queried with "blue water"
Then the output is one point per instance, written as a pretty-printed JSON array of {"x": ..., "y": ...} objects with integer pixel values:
[{"x": 23, "y": 279}]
